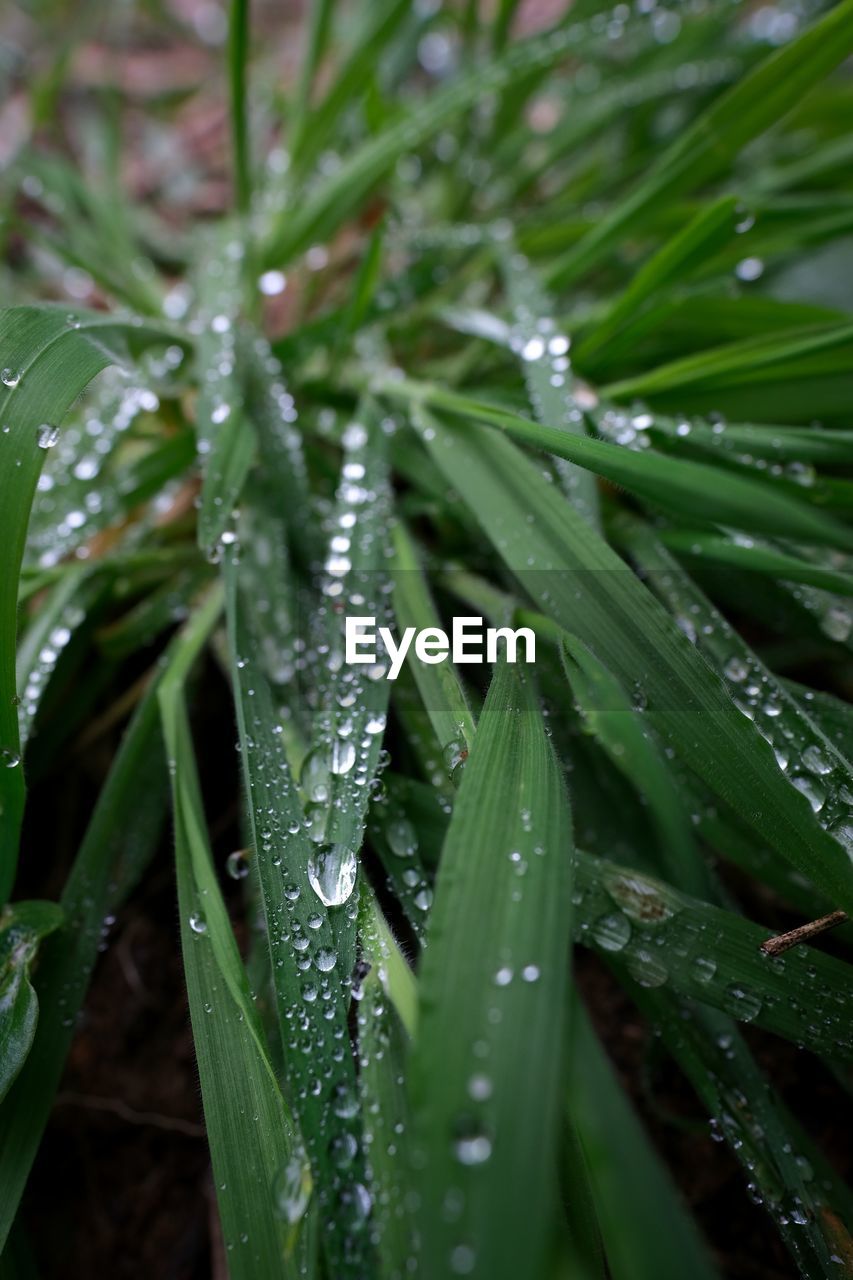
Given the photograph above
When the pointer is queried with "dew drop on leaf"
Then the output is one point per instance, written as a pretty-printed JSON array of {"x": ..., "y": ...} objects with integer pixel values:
[{"x": 331, "y": 873}]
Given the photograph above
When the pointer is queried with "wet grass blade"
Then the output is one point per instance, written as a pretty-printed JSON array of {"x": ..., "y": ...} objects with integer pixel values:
[
  {"x": 441, "y": 692},
  {"x": 312, "y": 982},
  {"x": 238, "y": 58},
  {"x": 501, "y": 916},
  {"x": 121, "y": 837},
  {"x": 691, "y": 489},
  {"x": 618, "y": 725},
  {"x": 756, "y": 557},
  {"x": 322, "y": 212},
  {"x": 225, "y": 439},
  {"x": 690, "y": 247},
  {"x": 22, "y": 928},
  {"x": 707, "y": 147},
  {"x": 714, "y": 957},
  {"x": 631, "y": 1183},
  {"x": 585, "y": 587},
  {"x": 548, "y": 380},
  {"x": 251, "y": 1135},
  {"x": 46, "y": 360}
]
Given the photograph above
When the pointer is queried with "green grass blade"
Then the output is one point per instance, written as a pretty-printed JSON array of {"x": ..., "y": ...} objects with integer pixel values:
[
  {"x": 691, "y": 489},
  {"x": 238, "y": 60},
  {"x": 616, "y": 723},
  {"x": 46, "y": 359},
  {"x": 120, "y": 839},
  {"x": 443, "y": 696},
  {"x": 548, "y": 375},
  {"x": 671, "y": 265},
  {"x": 251, "y": 1135},
  {"x": 708, "y": 146},
  {"x": 501, "y": 917},
  {"x": 585, "y": 587},
  {"x": 225, "y": 438},
  {"x": 632, "y": 1185},
  {"x": 312, "y": 982},
  {"x": 22, "y": 928}
]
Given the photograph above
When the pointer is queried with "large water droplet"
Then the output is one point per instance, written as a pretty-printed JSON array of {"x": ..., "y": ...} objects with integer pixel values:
[
  {"x": 47, "y": 435},
  {"x": 236, "y": 865},
  {"x": 402, "y": 838},
  {"x": 612, "y": 931},
  {"x": 315, "y": 777},
  {"x": 331, "y": 873},
  {"x": 742, "y": 1002},
  {"x": 292, "y": 1191},
  {"x": 343, "y": 755}
]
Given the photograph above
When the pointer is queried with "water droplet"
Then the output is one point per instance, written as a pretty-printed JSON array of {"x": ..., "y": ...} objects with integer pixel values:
[
  {"x": 402, "y": 838},
  {"x": 736, "y": 669},
  {"x": 741, "y": 1002},
  {"x": 344, "y": 1101},
  {"x": 815, "y": 761},
  {"x": 315, "y": 777},
  {"x": 455, "y": 754},
  {"x": 9, "y": 758},
  {"x": 47, "y": 435},
  {"x": 326, "y": 959},
  {"x": 612, "y": 931},
  {"x": 343, "y": 756},
  {"x": 812, "y": 790},
  {"x": 236, "y": 865},
  {"x": 479, "y": 1087},
  {"x": 292, "y": 1191},
  {"x": 640, "y": 899},
  {"x": 463, "y": 1259},
  {"x": 331, "y": 873},
  {"x": 647, "y": 969},
  {"x": 197, "y": 922},
  {"x": 703, "y": 969},
  {"x": 10, "y": 378},
  {"x": 471, "y": 1145},
  {"x": 272, "y": 283}
]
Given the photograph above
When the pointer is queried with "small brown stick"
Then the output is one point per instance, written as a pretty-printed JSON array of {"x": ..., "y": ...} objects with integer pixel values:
[{"x": 804, "y": 933}]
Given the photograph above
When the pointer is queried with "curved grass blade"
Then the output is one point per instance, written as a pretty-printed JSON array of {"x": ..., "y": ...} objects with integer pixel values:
[
  {"x": 692, "y": 489},
  {"x": 312, "y": 984},
  {"x": 502, "y": 918},
  {"x": 313, "y": 133},
  {"x": 119, "y": 841},
  {"x": 810, "y": 761},
  {"x": 252, "y": 1141},
  {"x": 544, "y": 354},
  {"x": 800, "y": 1190},
  {"x": 22, "y": 928},
  {"x": 673, "y": 263},
  {"x": 441, "y": 692},
  {"x": 631, "y": 1184},
  {"x": 756, "y": 557},
  {"x": 46, "y": 360},
  {"x": 662, "y": 935},
  {"x": 320, "y": 213},
  {"x": 584, "y": 586},
  {"x": 707, "y": 147},
  {"x": 618, "y": 726}
]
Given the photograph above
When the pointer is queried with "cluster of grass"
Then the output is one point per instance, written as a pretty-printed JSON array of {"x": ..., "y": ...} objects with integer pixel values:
[{"x": 566, "y": 348}]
